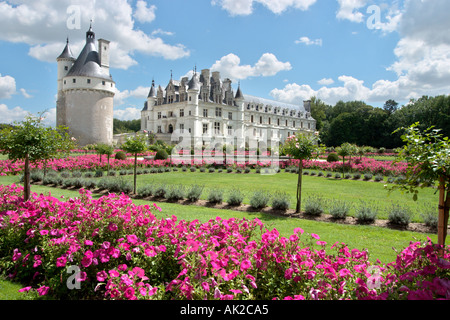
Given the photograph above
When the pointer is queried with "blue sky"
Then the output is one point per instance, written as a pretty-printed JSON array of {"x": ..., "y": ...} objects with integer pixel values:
[{"x": 287, "y": 50}]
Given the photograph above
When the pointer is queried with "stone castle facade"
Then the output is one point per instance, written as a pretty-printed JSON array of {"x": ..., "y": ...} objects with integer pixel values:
[
  {"x": 205, "y": 109},
  {"x": 86, "y": 92}
]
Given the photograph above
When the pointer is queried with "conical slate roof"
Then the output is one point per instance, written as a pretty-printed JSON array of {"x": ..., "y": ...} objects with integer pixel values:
[
  {"x": 67, "y": 53},
  {"x": 194, "y": 83},
  {"x": 152, "y": 93},
  {"x": 88, "y": 62},
  {"x": 239, "y": 94}
]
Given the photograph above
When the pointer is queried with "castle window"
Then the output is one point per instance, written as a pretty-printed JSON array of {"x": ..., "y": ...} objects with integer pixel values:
[
  {"x": 217, "y": 127},
  {"x": 278, "y": 122},
  {"x": 64, "y": 81},
  {"x": 286, "y": 123},
  {"x": 218, "y": 112},
  {"x": 66, "y": 68},
  {"x": 159, "y": 129},
  {"x": 230, "y": 130},
  {"x": 230, "y": 115},
  {"x": 88, "y": 80},
  {"x": 74, "y": 80},
  {"x": 293, "y": 124},
  {"x": 190, "y": 98},
  {"x": 159, "y": 115},
  {"x": 181, "y": 128},
  {"x": 260, "y": 120},
  {"x": 181, "y": 112},
  {"x": 270, "y": 121},
  {"x": 205, "y": 128},
  {"x": 251, "y": 119},
  {"x": 103, "y": 82},
  {"x": 205, "y": 113}
]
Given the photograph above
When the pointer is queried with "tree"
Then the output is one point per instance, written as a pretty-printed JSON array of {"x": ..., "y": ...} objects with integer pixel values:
[
  {"x": 32, "y": 142},
  {"x": 346, "y": 150},
  {"x": 135, "y": 145},
  {"x": 301, "y": 147},
  {"x": 103, "y": 148},
  {"x": 390, "y": 106},
  {"x": 427, "y": 154}
]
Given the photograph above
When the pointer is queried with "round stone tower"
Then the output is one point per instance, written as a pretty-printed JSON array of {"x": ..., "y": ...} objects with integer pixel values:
[{"x": 86, "y": 93}]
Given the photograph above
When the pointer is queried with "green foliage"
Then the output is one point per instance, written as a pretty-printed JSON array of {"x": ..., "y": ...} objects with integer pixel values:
[
  {"x": 339, "y": 209},
  {"x": 281, "y": 201},
  {"x": 120, "y": 155},
  {"x": 32, "y": 141},
  {"x": 399, "y": 215},
  {"x": 175, "y": 193},
  {"x": 235, "y": 197},
  {"x": 135, "y": 145},
  {"x": 126, "y": 126},
  {"x": 194, "y": 193},
  {"x": 314, "y": 206},
  {"x": 259, "y": 199},
  {"x": 215, "y": 196},
  {"x": 332, "y": 157},
  {"x": 366, "y": 213},
  {"x": 161, "y": 154}
]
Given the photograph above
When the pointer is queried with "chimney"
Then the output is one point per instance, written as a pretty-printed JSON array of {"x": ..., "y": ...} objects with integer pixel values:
[
  {"x": 307, "y": 105},
  {"x": 103, "y": 51}
]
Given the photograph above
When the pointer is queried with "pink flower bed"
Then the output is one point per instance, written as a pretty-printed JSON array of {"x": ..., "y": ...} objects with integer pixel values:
[
  {"x": 122, "y": 251},
  {"x": 365, "y": 165}
]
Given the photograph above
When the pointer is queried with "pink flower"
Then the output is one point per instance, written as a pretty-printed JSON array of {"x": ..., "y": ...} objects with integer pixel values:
[
  {"x": 246, "y": 264},
  {"x": 315, "y": 236},
  {"x": 102, "y": 276},
  {"x": 61, "y": 262},
  {"x": 113, "y": 273},
  {"x": 43, "y": 232},
  {"x": 26, "y": 289},
  {"x": 43, "y": 290},
  {"x": 345, "y": 273},
  {"x": 88, "y": 243},
  {"x": 16, "y": 255},
  {"x": 205, "y": 286}
]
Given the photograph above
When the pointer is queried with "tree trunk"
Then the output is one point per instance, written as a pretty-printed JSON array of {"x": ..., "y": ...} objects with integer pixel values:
[
  {"x": 299, "y": 187},
  {"x": 26, "y": 179},
  {"x": 135, "y": 165},
  {"x": 443, "y": 212}
]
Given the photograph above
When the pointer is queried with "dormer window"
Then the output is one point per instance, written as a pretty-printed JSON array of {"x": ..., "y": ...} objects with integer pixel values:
[
  {"x": 74, "y": 80},
  {"x": 88, "y": 80}
]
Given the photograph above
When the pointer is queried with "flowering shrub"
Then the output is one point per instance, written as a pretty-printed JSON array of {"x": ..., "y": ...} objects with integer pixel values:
[{"x": 119, "y": 250}]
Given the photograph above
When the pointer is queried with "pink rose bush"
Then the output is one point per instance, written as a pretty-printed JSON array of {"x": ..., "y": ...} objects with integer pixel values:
[{"x": 123, "y": 251}]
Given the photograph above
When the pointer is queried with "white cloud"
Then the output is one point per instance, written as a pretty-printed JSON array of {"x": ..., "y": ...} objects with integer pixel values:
[
  {"x": 7, "y": 87},
  {"x": 309, "y": 42},
  {"x": 422, "y": 65},
  {"x": 144, "y": 14},
  {"x": 162, "y": 32},
  {"x": 245, "y": 7},
  {"x": 348, "y": 10},
  {"x": 127, "y": 114},
  {"x": 12, "y": 115},
  {"x": 325, "y": 81},
  {"x": 43, "y": 25},
  {"x": 25, "y": 93},
  {"x": 138, "y": 93},
  {"x": 268, "y": 65}
]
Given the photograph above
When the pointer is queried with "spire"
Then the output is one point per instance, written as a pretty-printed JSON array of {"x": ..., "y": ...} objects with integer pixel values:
[
  {"x": 239, "y": 94},
  {"x": 90, "y": 35},
  {"x": 67, "y": 53},
  {"x": 152, "y": 93}
]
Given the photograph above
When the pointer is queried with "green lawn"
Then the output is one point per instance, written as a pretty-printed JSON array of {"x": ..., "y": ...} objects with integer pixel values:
[
  {"x": 379, "y": 241},
  {"x": 329, "y": 189}
]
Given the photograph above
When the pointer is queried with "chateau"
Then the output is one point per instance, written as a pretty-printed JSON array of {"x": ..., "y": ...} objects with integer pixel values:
[
  {"x": 205, "y": 109},
  {"x": 86, "y": 92}
]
